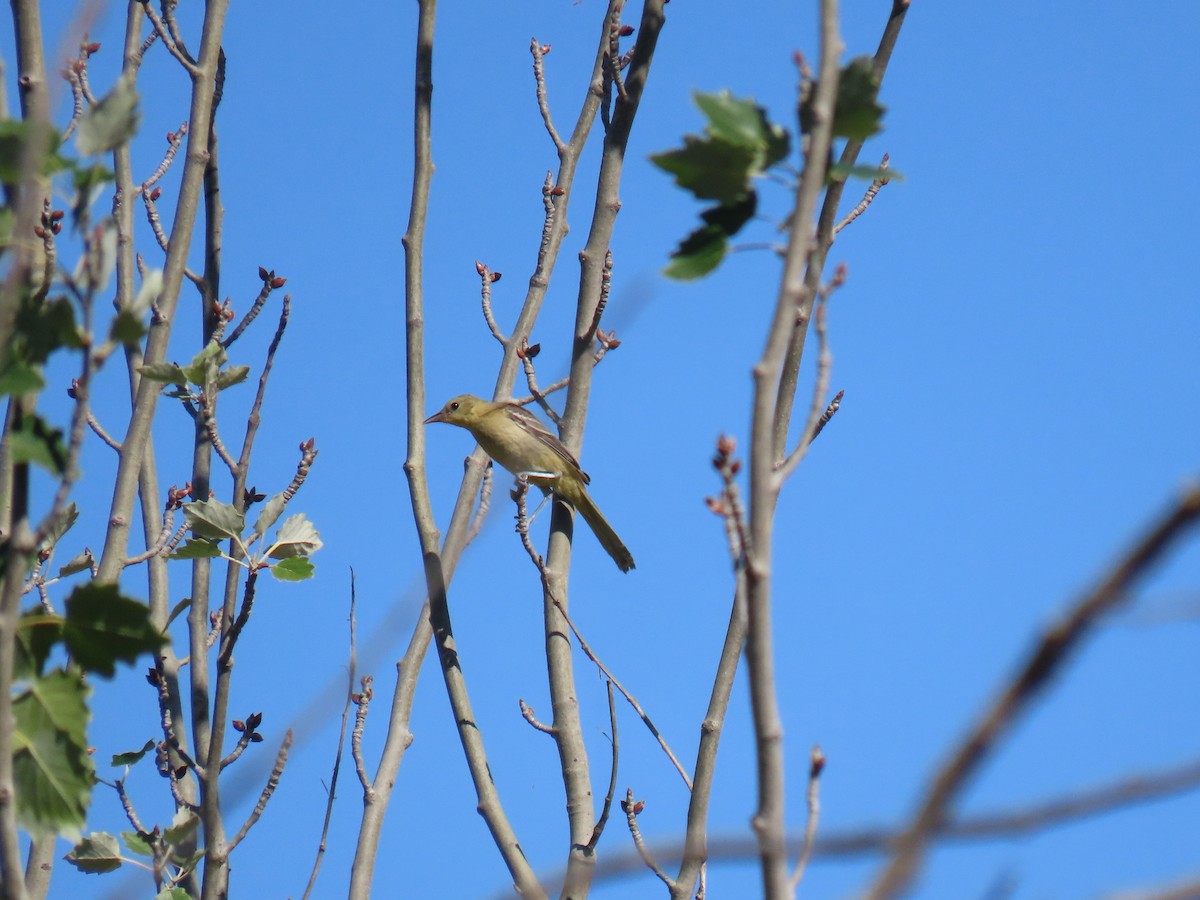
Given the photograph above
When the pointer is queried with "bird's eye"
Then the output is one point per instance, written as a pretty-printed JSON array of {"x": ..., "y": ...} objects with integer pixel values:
[{"x": 454, "y": 406}]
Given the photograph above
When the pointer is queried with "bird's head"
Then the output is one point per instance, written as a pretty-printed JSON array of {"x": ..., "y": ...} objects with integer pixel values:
[{"x": 460, "y": 411}]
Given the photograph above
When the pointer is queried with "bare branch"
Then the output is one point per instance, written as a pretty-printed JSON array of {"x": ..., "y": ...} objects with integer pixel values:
[
  {"x": 539, "y": 75},
  {"x": 612, "y": 778}
]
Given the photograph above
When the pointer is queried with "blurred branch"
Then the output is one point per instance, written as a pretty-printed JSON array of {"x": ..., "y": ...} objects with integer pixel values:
[
  {"x": 352, "y": 666},
  {"x": 1018, "y": 822},
  {"x": 1044, "y": 661}
]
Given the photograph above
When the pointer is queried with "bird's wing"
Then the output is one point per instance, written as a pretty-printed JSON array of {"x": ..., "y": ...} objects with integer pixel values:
[{"x": 534, "y": 426}]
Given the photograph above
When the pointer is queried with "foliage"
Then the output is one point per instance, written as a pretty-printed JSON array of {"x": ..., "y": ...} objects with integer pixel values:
[{"x": 741, "y": 146}]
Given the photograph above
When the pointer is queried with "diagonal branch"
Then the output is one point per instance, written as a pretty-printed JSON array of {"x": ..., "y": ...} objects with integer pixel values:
[{"x": 1045, "y": 659}]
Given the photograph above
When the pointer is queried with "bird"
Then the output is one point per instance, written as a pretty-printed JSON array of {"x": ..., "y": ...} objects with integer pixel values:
[{"x": 517, "y": 440}]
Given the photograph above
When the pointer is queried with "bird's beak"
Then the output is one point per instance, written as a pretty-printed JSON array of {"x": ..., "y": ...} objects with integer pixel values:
[{"x": 439, "y": 416}]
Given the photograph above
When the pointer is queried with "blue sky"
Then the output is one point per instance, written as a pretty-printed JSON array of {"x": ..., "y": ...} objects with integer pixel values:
[{"x": 1017, "y": 342}]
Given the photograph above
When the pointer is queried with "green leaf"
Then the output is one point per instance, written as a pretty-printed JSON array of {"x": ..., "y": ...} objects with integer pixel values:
[
  {"x": 857, "y": 115},
  {"x": 213, "y": 519},
  {"x": 111, "y": 122},
  {"x": 138, "y": 843},
  {"x": 37, "y": 633},
  {"x": 42, "y": 327},
  {"x": 297, "y": 568},
  {"x": 710, "y": 168},
  {"x": 152, "y": 282},
  {"x": 698, "y": 254},
  {"x": 231, "y": 376},
  {"x": 36, "y": 441},
  {"x": 180, "y": 607},
  {"x": 205, "y": 363},
  {"x": 296, "y": 537},
  {"x": 196, "y": 549},
  {"x": 270, "y": 513},
  {"x": 8, "y": 219},
  {"x": 167, "y": 373},
  {"x": 52, "y": 770},
  {"x": 79, "y": 562},
  {"x": 129, "y": 757},
  {"x": 96, "y": 854},
  {"x": 103, "y": 627},
  {"x": 703, "y": 249},
  {"x": 14, "y": 137},
  {"x": 89, "y": 182},
  {"x": 20, "y": 378},
  {"x": 126, "y": 328},
  {"x": 745, "y": 123},
  {"x": 182, "y": 825},
  {"x": 868, "y": 173},
  {"x": 185, "y": 864},
  {"x": 178, "y": 893}
]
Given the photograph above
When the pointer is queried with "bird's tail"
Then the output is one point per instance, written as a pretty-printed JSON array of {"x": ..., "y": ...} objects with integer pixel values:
[{"x": 603, "y": 531}]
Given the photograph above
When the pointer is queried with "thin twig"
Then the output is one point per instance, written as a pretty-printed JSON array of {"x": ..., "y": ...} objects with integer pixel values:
[
  {"x": 486, "y": 278},
  {"x": 208, "y": 418},
  {"x": 529, "y": 716},
  {"x": 818, "y": 413},
  {"x": 271, "y": 282},
  {"x": 662, "y": 742},
  {"x": 520, "y": 492},
  {"x": 248, "y": 731},
  {"x": 867, "y": 197},
  {"x": 526, "y": 354},
  {"x": 539, "y": 76},
  {"x": 631, "y": 809},
  {"x": 174, "y": 142},
  {"x": 127, "y": 805},
  {"x": 362, "y": 703},
  {"x": 605, "y": 288},
  {"x": 99, "y": 431},
  {"x": 612, "y": 778},
  {"x": 816, "y": 766},
  {"x": 485, "y": 503},
  {"x": 171, "y": 42}
]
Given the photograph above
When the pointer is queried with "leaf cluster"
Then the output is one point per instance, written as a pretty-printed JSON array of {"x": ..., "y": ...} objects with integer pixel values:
[
  {"x": 740, "y": 146},
  {"x": 52, "y": 766},
  {"x": 211, "y": 521}
]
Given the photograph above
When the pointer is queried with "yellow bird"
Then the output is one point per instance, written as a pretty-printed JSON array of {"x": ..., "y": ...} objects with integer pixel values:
[{"x": 513, "y": 437}]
